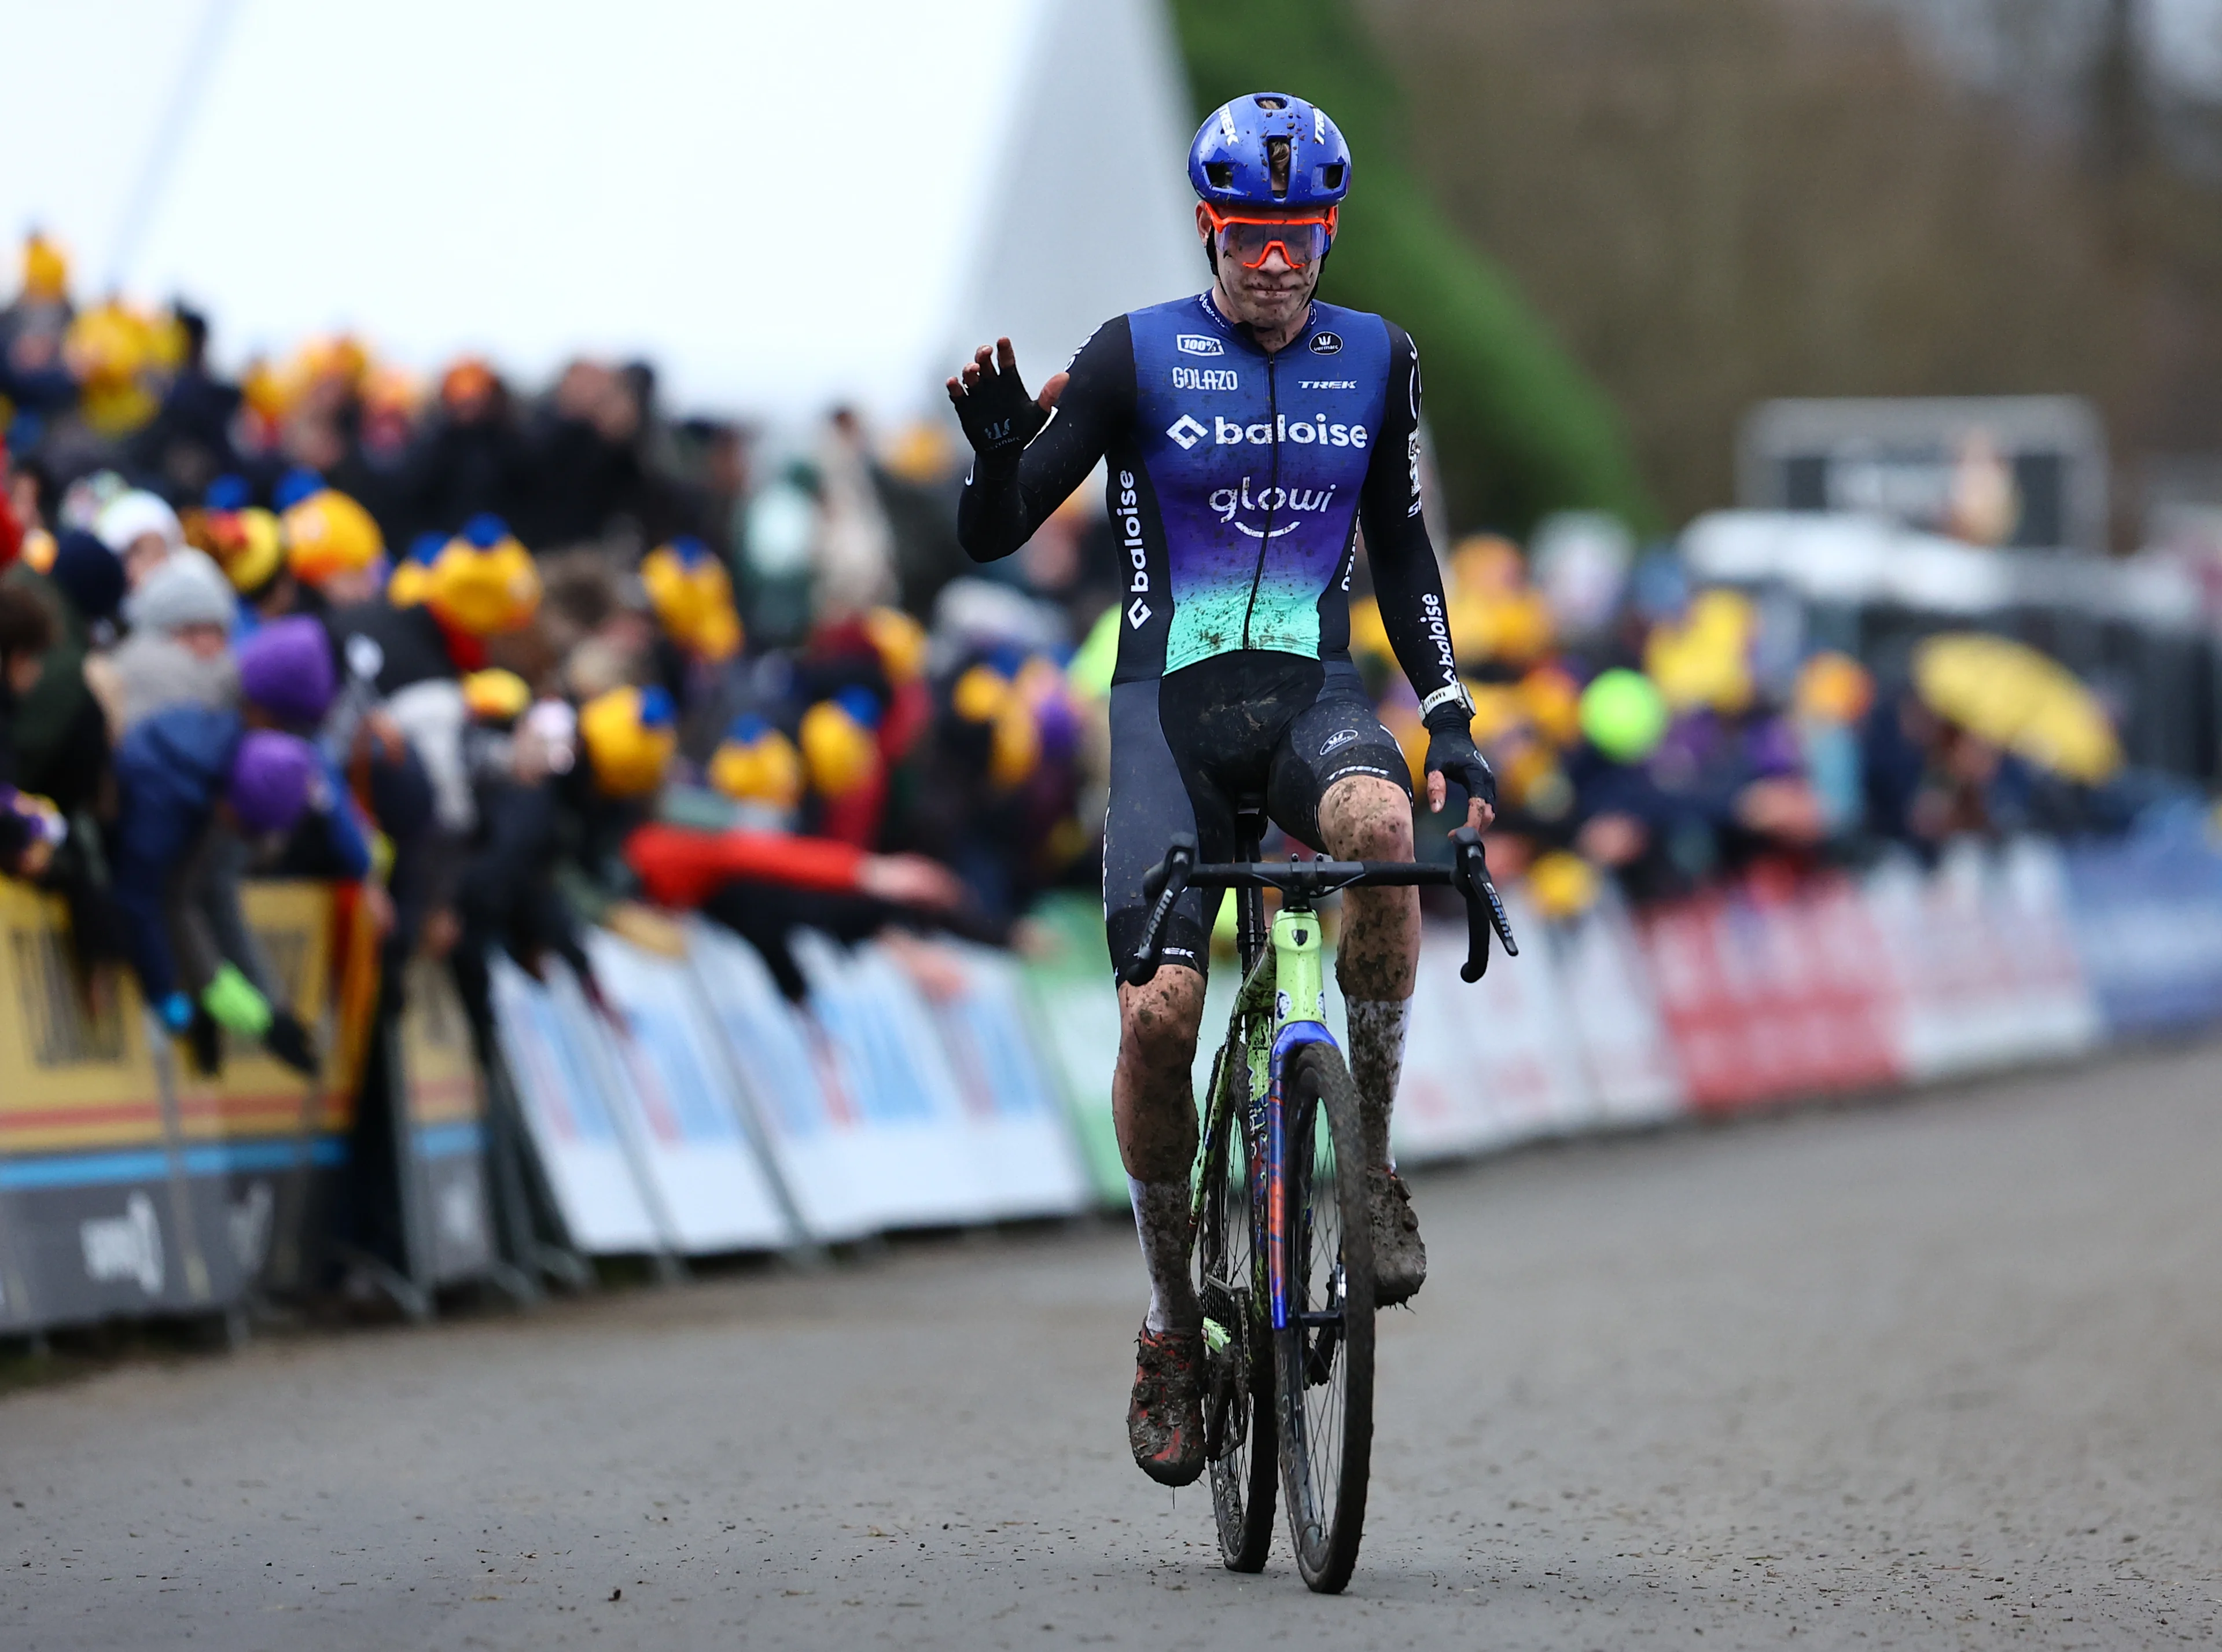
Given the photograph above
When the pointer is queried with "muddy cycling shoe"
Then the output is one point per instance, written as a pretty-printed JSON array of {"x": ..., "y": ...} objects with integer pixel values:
[
  {"x": 1400, "y": 1257},
  {"x": 1164, "y": 1418}
]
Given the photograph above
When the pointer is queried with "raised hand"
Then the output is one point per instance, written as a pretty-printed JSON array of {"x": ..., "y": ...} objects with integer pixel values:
[{"x": 992, "y": 404}]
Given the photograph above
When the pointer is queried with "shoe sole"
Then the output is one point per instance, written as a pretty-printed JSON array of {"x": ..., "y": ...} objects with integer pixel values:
[{"x": 1176, "y": 1479}]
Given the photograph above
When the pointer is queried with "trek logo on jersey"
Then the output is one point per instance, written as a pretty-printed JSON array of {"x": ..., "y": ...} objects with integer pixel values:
[
  {"x": 1129, "y": 510},
  {"x": 1327, "y": 344},
  {"x": 1198, "y": 344},
  {"x": 1230, "y": 502},
  {"x": 1327, "y": 384},
  {"x": 1206, "y": 379},
  {"x": 1185, "y": 431},
  {"x": 1226, "y": 432}
]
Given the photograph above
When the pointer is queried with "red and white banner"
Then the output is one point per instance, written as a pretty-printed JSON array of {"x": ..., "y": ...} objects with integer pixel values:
[{"x": 1770, "y": 1002}]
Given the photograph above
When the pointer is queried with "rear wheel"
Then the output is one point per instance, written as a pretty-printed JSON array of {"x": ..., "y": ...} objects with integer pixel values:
[
  {"x": 1324, "y": 1357},
  {"x": 1238, "y": 1394}
]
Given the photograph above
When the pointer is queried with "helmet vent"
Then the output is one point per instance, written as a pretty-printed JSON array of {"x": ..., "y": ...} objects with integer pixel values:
[
  {"x": 1221, "y": 172},
  {"x": 1331, "y": 177},
  {"x": 1277, "y": 163},
  {"x": 1272, "y": 103}
]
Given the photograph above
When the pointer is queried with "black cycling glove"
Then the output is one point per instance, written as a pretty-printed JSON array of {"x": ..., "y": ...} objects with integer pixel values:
[
  {"x": 289, "y": 1042},
  {"x": 998, "y": 415},
  {"x": 1452, "y": 752},
  {"x": 204, "y": 1044}
]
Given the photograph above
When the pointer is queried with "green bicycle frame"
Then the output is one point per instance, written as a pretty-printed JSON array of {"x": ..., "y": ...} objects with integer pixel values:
[{"x": 1289, "y": 980}]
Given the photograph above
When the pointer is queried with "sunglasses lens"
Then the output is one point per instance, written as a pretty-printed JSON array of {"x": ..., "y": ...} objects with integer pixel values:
[{"x": 1251, "y": 243}]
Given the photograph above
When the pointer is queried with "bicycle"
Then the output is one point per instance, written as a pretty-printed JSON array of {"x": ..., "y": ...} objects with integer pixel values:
[{"x": 1282, "y": 1251}]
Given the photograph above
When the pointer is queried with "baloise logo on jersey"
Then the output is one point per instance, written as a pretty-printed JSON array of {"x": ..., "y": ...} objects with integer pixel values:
[
  {"x": 1129, "y": 513},
  {"x": 1186, "y": 430}
]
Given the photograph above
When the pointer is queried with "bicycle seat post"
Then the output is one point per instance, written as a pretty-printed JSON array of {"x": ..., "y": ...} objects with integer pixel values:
[{"x": 1249, "y": 904}]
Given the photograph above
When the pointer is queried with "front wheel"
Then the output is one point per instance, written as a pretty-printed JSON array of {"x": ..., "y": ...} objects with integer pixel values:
[{"x": 1323, "y": 1358}]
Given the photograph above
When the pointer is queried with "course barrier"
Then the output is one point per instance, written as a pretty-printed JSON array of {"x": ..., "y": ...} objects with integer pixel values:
[
  {"x": 685, "y": 1107},
  {"x": 131, "y": 1186}
]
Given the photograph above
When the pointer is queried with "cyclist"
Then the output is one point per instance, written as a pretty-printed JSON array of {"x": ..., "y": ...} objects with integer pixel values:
[{"x": 1248, "y": 431}]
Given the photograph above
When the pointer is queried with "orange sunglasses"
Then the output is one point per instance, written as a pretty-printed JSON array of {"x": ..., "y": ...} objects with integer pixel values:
[{"x": 1250, "y": 241}]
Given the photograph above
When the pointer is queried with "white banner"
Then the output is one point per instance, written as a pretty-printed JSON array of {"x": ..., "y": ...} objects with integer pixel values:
[
  {"x": 844, "y": 1184},
  {"x": 1606, "y": 987},
  {"x": 1492, "y": 1063},
  {"x": 587, "y": 1160},
  {"x": 1020, "y": 1129},
  {"x": 1982, "y": 960},
  {"x": 676, "y": 1091},
  {"x": 885, "y": 1070}
]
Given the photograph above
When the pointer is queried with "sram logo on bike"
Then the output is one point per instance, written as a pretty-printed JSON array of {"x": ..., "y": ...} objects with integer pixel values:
[
  {"x": 1206, "y": 379},
  {"x": 1198, "y": 344}
]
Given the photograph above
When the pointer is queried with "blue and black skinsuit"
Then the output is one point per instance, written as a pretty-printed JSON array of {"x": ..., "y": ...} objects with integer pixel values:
[{"x": 1236, "y": 482}]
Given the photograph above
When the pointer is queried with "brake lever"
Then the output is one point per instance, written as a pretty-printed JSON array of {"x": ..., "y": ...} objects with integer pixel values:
[
  {"x": 1481, "y": 898},
  {"x": 1168, "y": 879}
]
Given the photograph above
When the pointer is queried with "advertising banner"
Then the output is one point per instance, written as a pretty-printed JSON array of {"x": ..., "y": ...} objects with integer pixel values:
[
  {"x": 103, "y": 1209},
  {"x": 1020, "y": 1129},
  {"x": 444, "y": 1120},
  {"x": 1619, "y": 1033},
  {"x": 1490, "y": 1063},
  {"x": 674, "y": 1096},
  {"x": 274, "y": 1139},
  {"x": 1076, "y": 1012},
  {"x": 885, "y": 1066},
  {"x": 844, "y": 1182},
  {"x": 1981, "y": 961},
  {"x": 587, "y": 1163},
  {"x": 1768, "y": 1001},
  {"x": 2147, "y": 913}
]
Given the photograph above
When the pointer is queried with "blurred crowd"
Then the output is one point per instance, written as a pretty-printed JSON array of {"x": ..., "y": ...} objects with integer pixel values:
[
  {"x": 504, "y": 665},
  {"x": 508, "y": 663},
  {"x": 1667, "y": 738}
]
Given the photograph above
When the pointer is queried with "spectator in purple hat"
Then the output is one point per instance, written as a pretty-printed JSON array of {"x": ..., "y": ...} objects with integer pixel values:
[
  {"x": 289, "y": 679},
  {"x": 286, "y": 673},
  {"x": 192, "y": 781}
]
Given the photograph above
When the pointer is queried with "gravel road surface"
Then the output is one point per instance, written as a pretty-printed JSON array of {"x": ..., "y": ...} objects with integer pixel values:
[{"x": 1941, "y": 1372}]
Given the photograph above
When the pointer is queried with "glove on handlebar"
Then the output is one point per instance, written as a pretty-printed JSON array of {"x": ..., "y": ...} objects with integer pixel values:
[
  {"x": 1452, "y": 752},
  {"x": 998, "y": 415}
]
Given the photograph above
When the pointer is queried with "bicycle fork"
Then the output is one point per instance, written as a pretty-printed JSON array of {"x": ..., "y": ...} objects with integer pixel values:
[{"x": 1299, "y": 1018}]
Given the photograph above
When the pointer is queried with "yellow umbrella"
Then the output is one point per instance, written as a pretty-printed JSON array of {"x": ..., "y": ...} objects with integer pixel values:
[{"x": 2009, "y": 695}]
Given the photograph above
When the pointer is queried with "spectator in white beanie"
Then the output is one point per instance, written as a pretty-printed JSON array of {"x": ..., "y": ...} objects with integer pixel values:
[
  {"x": 179, "y": 650},
  {"x": 142, "y": 529}
]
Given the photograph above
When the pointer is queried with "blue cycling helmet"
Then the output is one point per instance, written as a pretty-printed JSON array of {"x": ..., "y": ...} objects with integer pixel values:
[{"x": 1228, "y": 165}]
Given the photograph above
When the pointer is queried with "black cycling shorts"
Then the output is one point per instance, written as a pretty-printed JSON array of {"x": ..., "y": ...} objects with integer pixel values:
[{"x": 1187, "y": 747}]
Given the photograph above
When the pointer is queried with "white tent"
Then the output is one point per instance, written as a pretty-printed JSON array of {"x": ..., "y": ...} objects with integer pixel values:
[{"x": 782, "y": 204}]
